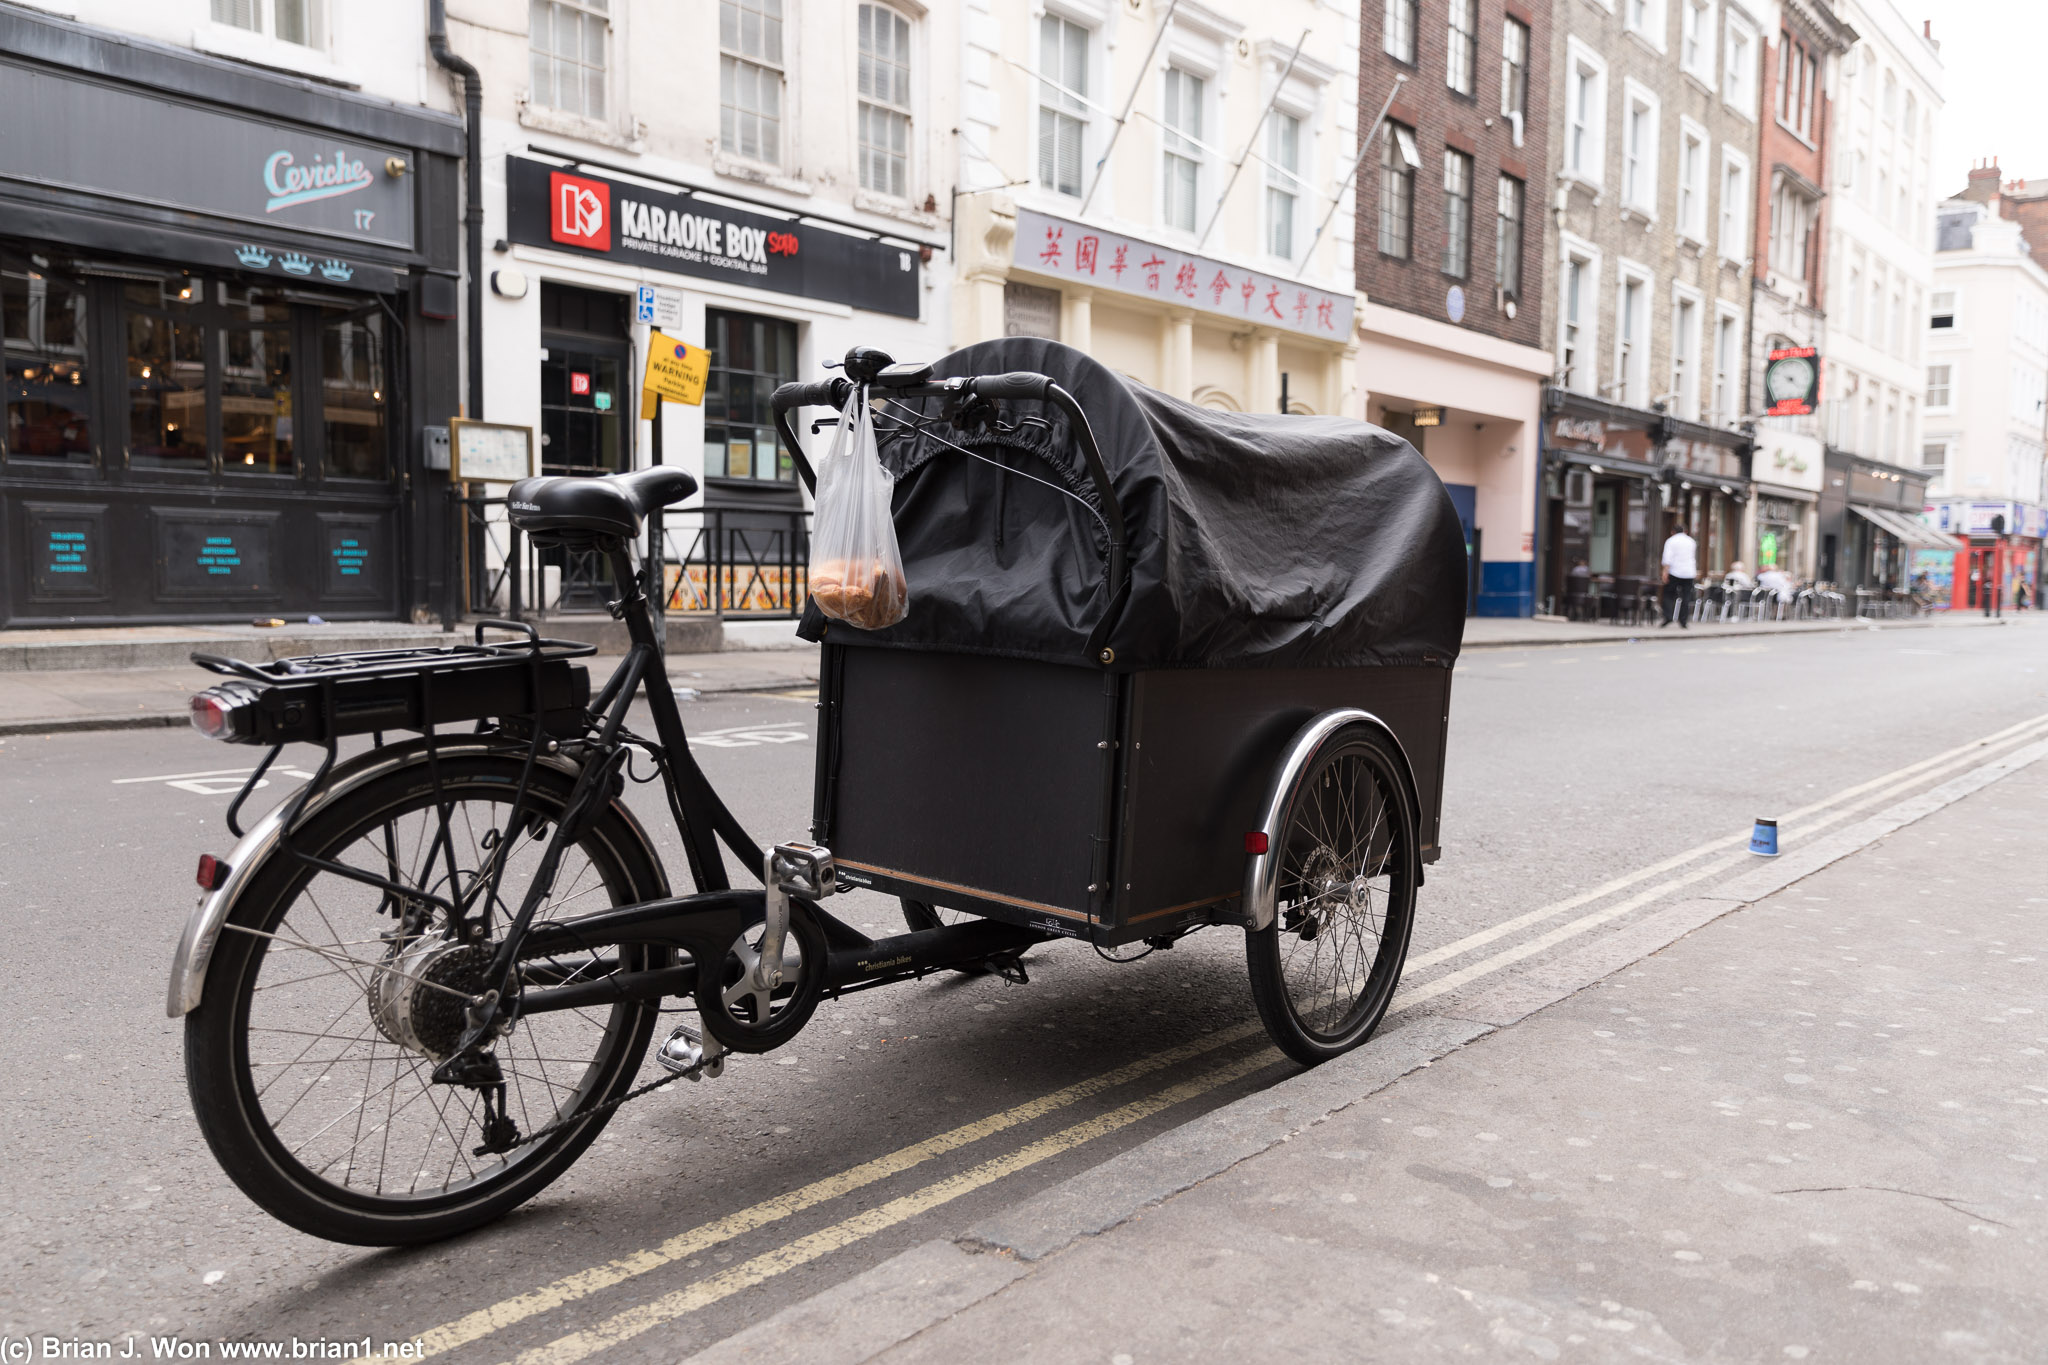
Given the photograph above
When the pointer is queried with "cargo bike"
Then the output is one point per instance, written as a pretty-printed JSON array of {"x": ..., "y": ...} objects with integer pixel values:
[{"x": 1163, "y": 668}]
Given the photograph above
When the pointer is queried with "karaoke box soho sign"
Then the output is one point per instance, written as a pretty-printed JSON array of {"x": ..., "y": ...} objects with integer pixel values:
[
  {"x": 1107, "y": 260},
  {"x": 593, "y": 215}
]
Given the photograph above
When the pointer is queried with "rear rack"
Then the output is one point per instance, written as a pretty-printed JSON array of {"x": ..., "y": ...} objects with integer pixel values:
[{"x": 369, "y": 662}]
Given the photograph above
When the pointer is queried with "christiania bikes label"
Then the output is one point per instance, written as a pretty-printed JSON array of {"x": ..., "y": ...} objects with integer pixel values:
[{"x": 682, "y": 233}]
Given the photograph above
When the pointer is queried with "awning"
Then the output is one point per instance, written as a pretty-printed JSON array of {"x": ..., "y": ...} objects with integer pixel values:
[{"x": 1904, "y": 528}]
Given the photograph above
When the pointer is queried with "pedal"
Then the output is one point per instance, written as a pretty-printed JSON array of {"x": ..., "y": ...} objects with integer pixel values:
[{"x": 685, "y": 1054}]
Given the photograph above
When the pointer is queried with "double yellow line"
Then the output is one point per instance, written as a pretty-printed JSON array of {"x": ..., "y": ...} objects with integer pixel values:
[{"x": 629, "y": 1323}]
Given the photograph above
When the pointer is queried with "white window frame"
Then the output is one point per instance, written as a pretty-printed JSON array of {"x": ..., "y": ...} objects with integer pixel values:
[
  {"x": 1585, "y": 68},
  {"x": 907, "y": 110},
  {"x": 1685, "y": 383},
  {"x": 1954, "y": 312},
  {"x": 1692, "y": 198},
  {"x": 1707, "y": 56},
  {"x": 1049, "y": 94},
  {"x": 1644, "y": 20},
  {"x": 1587, "y": 378},
  {"x": 1411, "y": 11},
  {"x": 1852, "y": 292},
  {"x": 1739, "y": 77},
  {"x": 1631, "y": 369},
  {"x": 1733, "y": 245},
  {"x": 1725, "y": 398},
  {"x": 1452, "y": 37},
  {"x": 1288, "y": 182},
  {"x": 1639, "y": 155},
  {"x": 1185, "y": 146},
  {"x": 783, "y": 120},
  {"x": 1948, "y": 370}
]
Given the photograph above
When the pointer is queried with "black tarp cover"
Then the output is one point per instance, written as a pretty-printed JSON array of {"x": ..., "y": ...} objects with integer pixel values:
[{"x": 1254, "y": 540}]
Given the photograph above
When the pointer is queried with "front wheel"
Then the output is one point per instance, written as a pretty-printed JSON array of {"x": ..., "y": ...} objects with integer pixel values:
[
  {"x": 330, "y": 1000},
  {"x": 1323, "y": 972}
]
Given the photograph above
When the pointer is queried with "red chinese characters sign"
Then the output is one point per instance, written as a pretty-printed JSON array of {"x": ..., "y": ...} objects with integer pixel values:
[{"x": 1124, "y": 265}]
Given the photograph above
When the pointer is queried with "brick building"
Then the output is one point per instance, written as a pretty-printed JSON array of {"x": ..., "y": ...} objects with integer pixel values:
[
  {"x": 1450, "y": 200},
  {"x": 1654, "y": 152}
]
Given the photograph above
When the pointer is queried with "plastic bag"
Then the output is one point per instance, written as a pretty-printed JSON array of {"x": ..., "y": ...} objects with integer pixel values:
[{"x": 856, "y": 568}]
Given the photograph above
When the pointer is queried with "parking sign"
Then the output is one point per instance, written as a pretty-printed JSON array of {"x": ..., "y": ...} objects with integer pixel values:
[{"x": 643, "y": 304}]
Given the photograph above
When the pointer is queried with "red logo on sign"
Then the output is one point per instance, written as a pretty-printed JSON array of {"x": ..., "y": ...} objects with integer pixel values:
[
  {"x": 579, "y": 211},
  {"x": 782, "y": 244},
  {"x": 579, "y": 383}
]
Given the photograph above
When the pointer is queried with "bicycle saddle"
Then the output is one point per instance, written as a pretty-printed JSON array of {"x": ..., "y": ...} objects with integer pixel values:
[{"x": 595, "y": 505}]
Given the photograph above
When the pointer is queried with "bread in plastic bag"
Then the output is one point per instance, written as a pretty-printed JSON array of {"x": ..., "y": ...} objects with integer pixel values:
[{"x": 856, "y": 568}]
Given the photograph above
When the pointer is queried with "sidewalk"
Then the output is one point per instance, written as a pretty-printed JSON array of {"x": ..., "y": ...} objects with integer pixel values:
[
  {"x": 135, "y": 698},
  {"x": 1812, "y": 1129},
  {"x": 1508, "y": 632}
]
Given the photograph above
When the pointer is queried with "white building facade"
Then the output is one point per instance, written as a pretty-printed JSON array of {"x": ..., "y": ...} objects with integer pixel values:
[
  {"x": 1987, "y": 397},
  {"x": 1166, "y": 193}
]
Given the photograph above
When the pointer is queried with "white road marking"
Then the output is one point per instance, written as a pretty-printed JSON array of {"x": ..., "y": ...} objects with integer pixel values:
[{"x": 216, "y": 781}]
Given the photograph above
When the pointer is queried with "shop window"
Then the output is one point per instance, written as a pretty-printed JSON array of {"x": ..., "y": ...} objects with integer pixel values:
[
  {"x": 353, "y": 397},
  {"x": 750, "y": 357},
  {"x": 586, "y": 362},
  {"x": 750, "y": 78},
  {"x": 884, "y": 101},
  {"x": 1062, "y": 102},
  {"x": 167, "y": 408},
  {"x": 49, "y": 375},
  {"x": 255, "y": 341}
]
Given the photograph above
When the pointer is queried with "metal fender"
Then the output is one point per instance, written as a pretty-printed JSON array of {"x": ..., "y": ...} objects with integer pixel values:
[
  {"x": 203, "y": 929},
  {"x": 1262, "y": 870}
]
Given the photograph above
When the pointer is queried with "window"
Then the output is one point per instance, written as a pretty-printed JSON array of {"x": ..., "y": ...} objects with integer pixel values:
[
  {"x": 1939, "y": 381},
  {"x": 255, "y": 341},
  {"x": 1934, "y": 455},
  {"x": 1183, "y": 147},
  {"x": 1062, "y": 112},
  {"x": 353, "y": 392},
  {"x": 1507, "y": 237},
  {"x": 290, "y": 21},
  {"x": 49, "y": 395},
  {"x": 1639, "y": 150},
  {"x": 167, "y": 408},
  {"x": 1398, "y": 163},
  {"x": 1457, "y": 258},
  {"x": 1645, "y": 19},
  {"x": 884, "y": 101},
  {"x": 566, "y": 49},
  {"x": 1461, "y": 53},
  {"x": 1631, "y": 340},
  {"x": 1891, "y": 98},
  {"x": 1942, "y": 310},
  {"x": 1576, "y": 325},
  {"x": 1894, "y": 323},
  {"x": 1283, "y": 182},
  {"x": 1585, "y": 113},
  {"x": 1734, "y": 205},
  {"x": 1514, "y": 74},
  {"x": 1692, "y": 181},
  {"x": 750, "y": 357},
  {"x": 1738, "y": 70},
  {"x": 1798, "y": 73},
  {"x": 1685, "y": 353},
  {"x": 1400, "y": 30},
  {"x": 1696, "y": 39},
  {"x": 1855, "y": 293},
  {"x": 750, "y": 78},
  {"x": 1791, "y": 219},
  {"x": 1727, "y": 363}
]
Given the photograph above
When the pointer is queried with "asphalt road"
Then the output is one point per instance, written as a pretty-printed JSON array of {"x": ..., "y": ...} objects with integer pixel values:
[{"x": 1570, "y": 770}]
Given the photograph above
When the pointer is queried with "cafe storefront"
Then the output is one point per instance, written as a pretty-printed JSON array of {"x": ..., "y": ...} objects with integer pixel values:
[
  {"x": 225, "y": 321},
  {"x": 1616, "y": 482},
  {"x": 1870, "y": 526}
]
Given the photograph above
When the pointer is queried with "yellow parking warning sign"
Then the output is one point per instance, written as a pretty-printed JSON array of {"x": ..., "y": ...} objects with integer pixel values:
[{"x": 676, "y": 371}]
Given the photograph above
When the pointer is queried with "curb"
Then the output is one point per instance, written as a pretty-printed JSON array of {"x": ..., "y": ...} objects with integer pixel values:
[
  {"x": 867, "y": 1314},
  {"x": 1717, "y": 633}
]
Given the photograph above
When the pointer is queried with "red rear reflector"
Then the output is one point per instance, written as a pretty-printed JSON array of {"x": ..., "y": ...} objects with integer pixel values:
[
  {"x": 1255, "y": 841},
  {"x": 213, "y": 873},
  {"x": 209, "y": 715}
]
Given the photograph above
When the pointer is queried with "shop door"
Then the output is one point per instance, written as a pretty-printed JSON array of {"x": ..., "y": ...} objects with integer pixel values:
[
  {"x": 585, "y": 402},
  {"x": 193, "y": 447},
  {"x": 1606, "y": 535}
]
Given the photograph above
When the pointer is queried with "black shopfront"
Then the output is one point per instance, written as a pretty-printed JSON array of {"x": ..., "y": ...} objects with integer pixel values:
[{"x": 227, "y": 303}]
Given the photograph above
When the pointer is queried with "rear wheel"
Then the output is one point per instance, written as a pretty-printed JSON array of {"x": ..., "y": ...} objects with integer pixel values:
[
  {"x": 330, "y": 1001},
  {"x": 1324, "y": 970}
]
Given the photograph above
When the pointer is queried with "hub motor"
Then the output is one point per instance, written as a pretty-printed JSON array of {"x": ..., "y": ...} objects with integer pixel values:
[{"x": 416, "y": 995}]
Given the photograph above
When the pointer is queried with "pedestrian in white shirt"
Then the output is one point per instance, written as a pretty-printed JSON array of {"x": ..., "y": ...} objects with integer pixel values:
[{"x": 1681, "y": 570}]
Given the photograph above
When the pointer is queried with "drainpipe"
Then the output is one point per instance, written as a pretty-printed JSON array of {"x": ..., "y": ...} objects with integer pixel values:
[{"x": 472, "y": 192}]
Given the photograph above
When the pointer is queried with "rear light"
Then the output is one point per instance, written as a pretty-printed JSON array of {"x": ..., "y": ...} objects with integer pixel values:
[
  {"x": 1255, "y": 841},
  {"x": 213, "y": 873},
  {"x": 226, "y": 712}
]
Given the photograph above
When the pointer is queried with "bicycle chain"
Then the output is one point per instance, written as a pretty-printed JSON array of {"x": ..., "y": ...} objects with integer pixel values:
[{"x": 547, "y": 1129}]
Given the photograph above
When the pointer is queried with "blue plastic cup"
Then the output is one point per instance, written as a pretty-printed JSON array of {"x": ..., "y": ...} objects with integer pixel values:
[{"x": 1763, "y": 838}]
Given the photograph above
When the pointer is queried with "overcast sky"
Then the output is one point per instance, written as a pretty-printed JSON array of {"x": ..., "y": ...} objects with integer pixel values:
[{"x": 1991, "y": 83}]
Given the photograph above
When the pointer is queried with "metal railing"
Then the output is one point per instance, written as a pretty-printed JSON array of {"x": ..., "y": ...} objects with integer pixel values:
[{"x": 731, "y": 564}]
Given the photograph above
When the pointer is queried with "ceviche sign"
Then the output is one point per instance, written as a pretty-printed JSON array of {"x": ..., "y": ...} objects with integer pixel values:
[{"x": 1107, "y": 260}]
